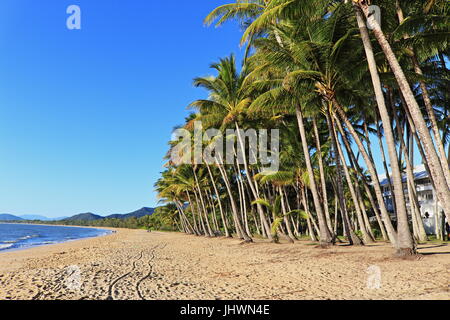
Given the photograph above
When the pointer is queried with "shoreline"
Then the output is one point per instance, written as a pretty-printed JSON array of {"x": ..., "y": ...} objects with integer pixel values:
[
  {"x": 111, "y": 231},
  {"x": 135, "y": 265}
]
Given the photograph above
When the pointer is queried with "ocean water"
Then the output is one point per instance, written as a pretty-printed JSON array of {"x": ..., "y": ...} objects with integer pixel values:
[{"x": 23, "y": 236}]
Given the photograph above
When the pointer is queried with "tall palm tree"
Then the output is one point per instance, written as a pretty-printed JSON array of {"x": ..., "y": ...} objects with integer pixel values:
[
  {"x": 229, "y": 97},
  {"x": 437, "y": 171}
]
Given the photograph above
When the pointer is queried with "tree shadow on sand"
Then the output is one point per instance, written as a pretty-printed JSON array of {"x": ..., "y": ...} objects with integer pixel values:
[{"x": 435, "y": 253}]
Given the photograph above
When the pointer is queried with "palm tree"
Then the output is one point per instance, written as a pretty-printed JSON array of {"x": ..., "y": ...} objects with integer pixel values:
[
  {"x": 229, "y": 98},
  {"x": 405, "y": 243},
  {"x": 438, "y": 172}
]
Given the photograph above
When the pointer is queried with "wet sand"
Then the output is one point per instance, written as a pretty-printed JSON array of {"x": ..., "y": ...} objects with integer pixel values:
[{"x": 136, "y": 265}]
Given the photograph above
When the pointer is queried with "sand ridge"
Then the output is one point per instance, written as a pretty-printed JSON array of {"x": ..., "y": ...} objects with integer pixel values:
[{"x": 136, "y": 265}]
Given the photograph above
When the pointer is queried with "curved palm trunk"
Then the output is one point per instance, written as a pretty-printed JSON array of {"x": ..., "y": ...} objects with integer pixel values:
[
  {"x": 405, "y": 243},
  {"x": 213, "y": 211},
  {"x": 418, "y": 142},
  {"x": 291, "y": 218},
  {"x": 362, "y": 205},
  {"x": 196, "y": 225},
  {"x": 433, "y": 120},
  {"x": 253, "y": 187},
  {"x": 418, "y": 227},
  {"x": 325, "y": 235},
  {"x": 189, "y": 227},
  {"x": 286, "y": 218},
  {"x": 241, "y": 200},
  {"x": 238, "y": 226},
  {"x": 428, "y": 105},
  {"x": 203, "y": 207},
  {"x": 355, "y": 165},
  {"x": 437, "y": 171},
  {"x": 422, "y": 233},
  {"x": 242, "y": 197},
  {"x": 392, "y": 234},
  {"x": 309, "y": 220},
  {"x": 244, "y": 205},
  {"x": 385, "y": 165},
  {"x": 200, "y": 215},
  {"x": 348, "y": 229},
  {"x": 366, "y": 236},
  {"x": 361, "y": 212},
  {"x": 322, "y": 174},
  {"x": 222, "y": 214}
]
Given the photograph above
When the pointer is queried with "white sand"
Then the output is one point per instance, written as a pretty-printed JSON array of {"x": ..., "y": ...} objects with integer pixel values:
[{"x": 135, "y": 264}]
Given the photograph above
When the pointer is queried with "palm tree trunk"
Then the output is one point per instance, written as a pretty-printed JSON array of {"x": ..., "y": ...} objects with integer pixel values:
[
  {"x": 241, "y": 199},
  {"x": 202, "y": 202},
  {"x": 322, "y": 174},
  {"x": 291, "y": 218},
  {"x": 366, "y": 237},
  {"x": 237, "y": 223},
  {"x": 358, "y": 169},
  {"x": 433, "y": 120},
  {"x": 200, "y": 215},
  {"x": 392, "y": 234},
  {"x": 336, "y": 215},
  {"x": 253, "y": 187},
  {"x": 309, "y": 220},
  {"x": 213, "y": 209},
  {"x": 437, "y": 171},
  {"x": 222, "y": 214},
  {"x": 286, "y": 218},
  {"x": 355, "y": 167},
  {"x": 414, "y": 203},
  {"x": 325, "y": 235},
  {"x": 405, "y": 243},
  {"x": 349, "y": 231},
  {"x": 196, "y": 225},
  {"x": 183, "y": 215},
  {"x": 244, "y": 205},
  {"x": 385, "y": 165},
  {"x": 428, "y": 105}
]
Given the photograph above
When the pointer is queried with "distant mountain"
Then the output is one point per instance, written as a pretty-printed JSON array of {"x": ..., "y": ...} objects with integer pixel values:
[
  {"x": 136, "y": 214},
  {"x": 9, "y": 217},
  {"x": 58, "y": 219},
  {"x": 35, "y": 217},
  {"x": 92, "y": 217},
  {"x": 80, "y": 217},
  {"x": 84, "y": 217}
]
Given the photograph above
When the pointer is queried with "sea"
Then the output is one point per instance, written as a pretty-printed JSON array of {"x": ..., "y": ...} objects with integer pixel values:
[{"x": 24, "y": 236}]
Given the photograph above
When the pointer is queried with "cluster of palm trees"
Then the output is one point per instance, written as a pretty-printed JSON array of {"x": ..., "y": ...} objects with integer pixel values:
[{"x": 314, "y": 70}]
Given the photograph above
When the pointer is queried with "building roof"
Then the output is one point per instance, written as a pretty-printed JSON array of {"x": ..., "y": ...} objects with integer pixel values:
[{"x": 419, "y": 173}]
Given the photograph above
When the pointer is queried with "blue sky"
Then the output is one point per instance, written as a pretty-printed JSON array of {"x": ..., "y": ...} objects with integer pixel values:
[{"x": 85, "y": 115}]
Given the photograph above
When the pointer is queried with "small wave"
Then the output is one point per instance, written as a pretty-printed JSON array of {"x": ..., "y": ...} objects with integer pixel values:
[
  {"x": 29, "y": 237},
  {"x": 5, "y": 246},
  {"x": 47, "y": 242},
  {"x": 9, "y": 242}
]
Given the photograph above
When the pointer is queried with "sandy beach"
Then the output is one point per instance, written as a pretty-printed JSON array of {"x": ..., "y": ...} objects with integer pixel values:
[{"x": 136, "y": 265}]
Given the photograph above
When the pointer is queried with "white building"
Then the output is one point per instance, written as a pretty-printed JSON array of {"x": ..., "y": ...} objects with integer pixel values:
[{"x": 430, "y": 209}]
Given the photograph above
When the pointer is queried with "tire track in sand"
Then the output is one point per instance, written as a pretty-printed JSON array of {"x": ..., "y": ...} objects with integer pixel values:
[
  {"x": 150, "y": 273},
  {"x": 111, "y": 290}
]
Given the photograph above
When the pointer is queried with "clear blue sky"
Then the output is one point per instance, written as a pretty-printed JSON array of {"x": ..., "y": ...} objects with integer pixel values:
[{"x": 85, "y": 115}]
